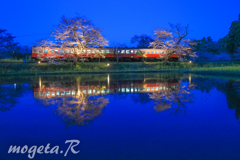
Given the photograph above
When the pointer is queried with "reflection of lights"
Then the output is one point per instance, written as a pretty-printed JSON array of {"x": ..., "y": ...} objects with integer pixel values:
[
  {"x": 189, "y": 78},
  {"x": 39, "y": 62},
  {"x": 40, "y": 82},
  {"x": 108, "y": 79},
  {"x": 14, "y": 85}
]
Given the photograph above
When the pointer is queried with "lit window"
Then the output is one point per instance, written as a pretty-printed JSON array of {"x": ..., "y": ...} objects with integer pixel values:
[
  {"x": 84, "y": 51},
  {"x": 39, "y": 51},
  {"x": 107, "y": 51},
  {"x": 108, "y": 90},
  {"x": 73, "y": 92},
  {"x": 148, "y": 88},
  {"x": 163, "y": 88},
  {"x": 51, "y": 50},
  {"x": 98, "y": 92},
  {"x": 57, "y": 93},
  {"x": 41, "y": 94},
  {"x": 88, "y": 51},
  {"x": 53, "y": 94},
  {"x": 45, "y": 50},
  {"x": 131, "y": 89},
  {"x": 156, "y": 52},
  {"x": 136, "y": 89},
  {"x": 131, "y": 51},
  {"x": 144, "y": 51},
  {"x": 93, "y": 51},
  {"x": 67, "y": 92},
  {"x": 56, "y": 51},
  {"x": 135, "y": 51},
  {"x": 123, "y": 89},
  {"x": 161, "y": 52},
  {"x": 127, "y": 51},
  {"x": 93, "y": 91},
  {"x": 102, "y": 51},
  {"x": 156, "y": 88},
  {"x": 127, "y": 90},
  {"x": 72, "y": 50},
  {"x": 61, "y": 51},
  {"x": 84, "y": 91},
  {"x": 143, "y": 89},
  {"x": 35, "y": 51},
  {"x": 89, "y": 91},
  {"x": 160, "y": 88},
  {"x": 67, "y": 51},
  {"x": 152, "y": 88},
  {"x": 152, "y": 52},
  {"x": 119, "y": 51},
  {"x": 103, "y": 91},
  {"x": 148, "y": 52},
  {"x": 123, "y": 51},
  {"x": 47, "y": 93},
  {"x": 139, "y": 89},
  {"x": 63, "y": 93},
  {"x": 97, "y": 51}
]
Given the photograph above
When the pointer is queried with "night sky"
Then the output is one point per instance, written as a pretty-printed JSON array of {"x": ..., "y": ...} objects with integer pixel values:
[{"x": 32, "y": 20}]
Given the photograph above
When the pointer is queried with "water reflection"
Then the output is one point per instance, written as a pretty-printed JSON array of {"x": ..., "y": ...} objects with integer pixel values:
[
  {"x": 229, "y": 87},
  {"x": 117, "y": 111},
  {"x": 174, "y": 94},
  {"x": 9, "y": 94},
  {"x": 80, "y": 99}
]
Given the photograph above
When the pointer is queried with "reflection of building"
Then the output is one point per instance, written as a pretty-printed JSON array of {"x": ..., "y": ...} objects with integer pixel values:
[{"x": 51, "y": 90}]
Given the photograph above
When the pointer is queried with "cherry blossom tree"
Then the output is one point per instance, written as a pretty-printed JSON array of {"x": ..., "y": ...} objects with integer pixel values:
[
  {"x": 78, "y": 33},
  {"x": 174, "y": 41}
]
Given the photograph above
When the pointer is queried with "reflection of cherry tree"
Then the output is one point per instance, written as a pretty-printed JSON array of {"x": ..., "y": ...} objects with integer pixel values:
[
  {"x": 78, "y": 109},
  {"x": 165, "y": 99},
  {"x": 82, "y": 108}
]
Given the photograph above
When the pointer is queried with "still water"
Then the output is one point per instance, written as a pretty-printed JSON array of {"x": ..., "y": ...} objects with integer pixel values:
[{"x": 121, "y": 116}]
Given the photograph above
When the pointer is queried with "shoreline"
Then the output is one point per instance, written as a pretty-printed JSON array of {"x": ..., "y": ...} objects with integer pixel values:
[{"x": 208, "y": 68}]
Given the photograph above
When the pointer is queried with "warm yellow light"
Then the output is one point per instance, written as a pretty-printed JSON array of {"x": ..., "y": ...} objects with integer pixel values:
[
  {"x": 108, "y": 64},
  {"x": 39, "y": 62},
  {"x": 40, "y": 82},
  {"x": 190, "y": 61}
]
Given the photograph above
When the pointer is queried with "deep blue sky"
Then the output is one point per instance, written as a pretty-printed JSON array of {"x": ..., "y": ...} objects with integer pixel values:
[{"x": 120, "y": 19}]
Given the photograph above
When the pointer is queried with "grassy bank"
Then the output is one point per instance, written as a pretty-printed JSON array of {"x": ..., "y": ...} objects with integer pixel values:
[
  {"x": 11, "y": 60},
  {"x": 89, "y": 67}
]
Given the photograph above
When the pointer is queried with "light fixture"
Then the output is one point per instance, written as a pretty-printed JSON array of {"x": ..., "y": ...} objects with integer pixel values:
[
  {"x": 39, "y": 62},
  {"x": 190, "y": 61},
  {"x": 108, "y": 64}
]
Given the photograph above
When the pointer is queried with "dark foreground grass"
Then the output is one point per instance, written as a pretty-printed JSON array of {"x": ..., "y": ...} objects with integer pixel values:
[
  {"x": 11, "y": 60},
  {"x": 232, "y": 67}
]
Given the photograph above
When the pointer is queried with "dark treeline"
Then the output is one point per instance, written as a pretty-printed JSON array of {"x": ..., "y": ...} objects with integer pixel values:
[
  {"x": 230, "y": 43},
  {"x": 9, "y": 48}
]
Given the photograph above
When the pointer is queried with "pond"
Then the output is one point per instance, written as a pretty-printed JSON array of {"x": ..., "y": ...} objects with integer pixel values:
[{"x": 120, "y": 116}]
